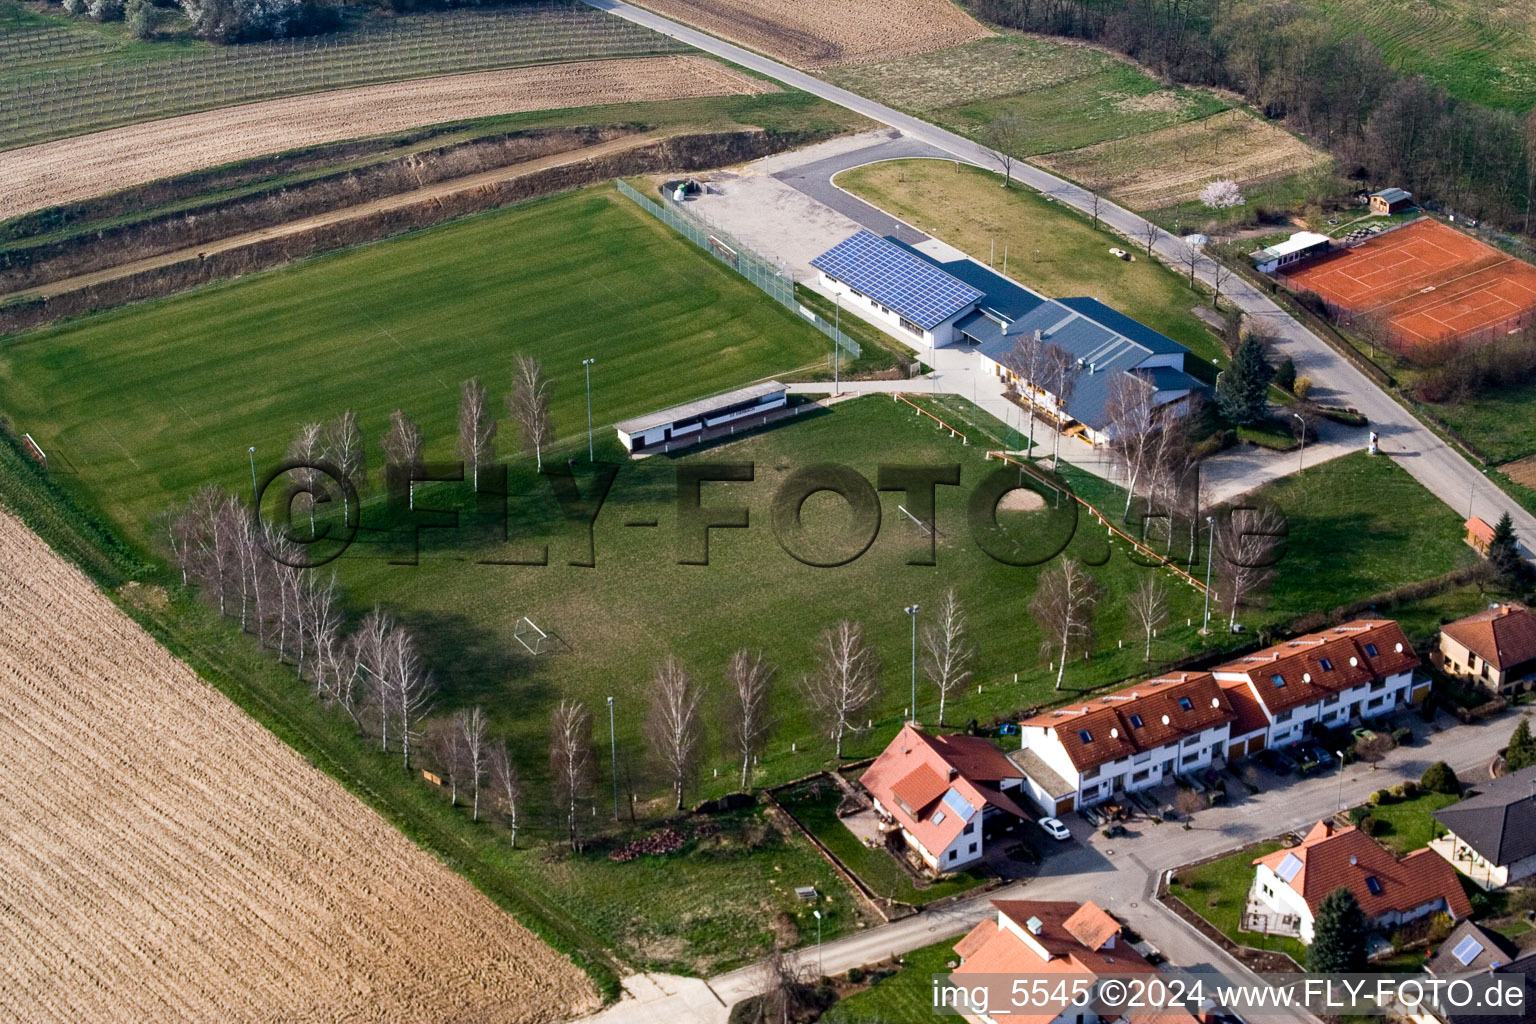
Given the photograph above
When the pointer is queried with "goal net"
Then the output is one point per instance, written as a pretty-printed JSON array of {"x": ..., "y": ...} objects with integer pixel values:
[{"x": 533, "y": 639}]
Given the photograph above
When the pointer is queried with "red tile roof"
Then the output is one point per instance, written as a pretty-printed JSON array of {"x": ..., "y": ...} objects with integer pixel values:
[
  {"x": 1347, "y": 857},
  {"x": 1314, "y": 667},
  {"x": 993, "y": 948},
  {"x": 1142, "y": 716},
  {"x": 1504, "y": 635},
  {"x": 1247, "y": 715},
  {"x": 918, "y": 771}
]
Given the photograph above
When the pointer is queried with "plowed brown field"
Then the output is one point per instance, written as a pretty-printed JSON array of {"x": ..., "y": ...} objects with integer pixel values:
[
  {"x": 812, "y": 34},
  {"x": 164, "y": 858},
  {"x": 90, "y": 165}
]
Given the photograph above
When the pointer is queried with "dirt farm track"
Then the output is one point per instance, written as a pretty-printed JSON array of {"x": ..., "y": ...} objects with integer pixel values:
[
  {"x": 812, "y": 35},
  {"x": 90, "y": 165},
  {"x": 164, "y": 858}
]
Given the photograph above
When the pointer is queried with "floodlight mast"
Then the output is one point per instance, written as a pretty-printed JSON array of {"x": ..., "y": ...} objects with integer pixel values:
[
  {"x": 912, "y": 611},
  {"x": 588, "y": 364}
]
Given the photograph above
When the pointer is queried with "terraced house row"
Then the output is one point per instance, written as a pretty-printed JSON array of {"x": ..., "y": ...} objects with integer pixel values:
[{"x": 1155, "y": 730}]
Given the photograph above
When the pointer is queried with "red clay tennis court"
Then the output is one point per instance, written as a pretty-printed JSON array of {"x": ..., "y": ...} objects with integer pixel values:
[{"x": 1426, "y": 281}]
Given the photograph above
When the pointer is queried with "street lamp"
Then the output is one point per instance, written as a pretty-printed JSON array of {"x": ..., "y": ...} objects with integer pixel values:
[
  {"x": 257, "y": 498},
  {"x": 912, "y": 610},
  {"x": 613, "y": 760},
  {"x": 588, "y": 364},
  {"x": 818, "y": 941},
  {"x": 837, "y": 332},
  {"x": 1209, "y": 555},
  {"x": 1470, "y": 492},
  {"x": 1303, "y": 453}
]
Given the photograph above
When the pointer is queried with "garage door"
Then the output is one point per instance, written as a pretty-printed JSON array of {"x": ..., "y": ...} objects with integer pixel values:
[{"x": 1065, "y": 805}]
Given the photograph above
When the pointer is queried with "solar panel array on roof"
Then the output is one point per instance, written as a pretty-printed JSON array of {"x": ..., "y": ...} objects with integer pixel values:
[
  {"x": 890, "y": 275},
  {"x": 1289, "y": 867},
  {"x": 1467, "y": 950},
  {"x": 958, "y": 804}
]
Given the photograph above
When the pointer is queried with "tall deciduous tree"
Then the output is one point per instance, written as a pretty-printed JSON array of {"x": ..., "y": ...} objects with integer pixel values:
[
  {"x": 673, "y": 726},
  {"x": 1338, "y": 935},
  {"x": 1064, "y": 604},
  {"x": 1004, "y": 136},
  {"x": 471, "y": 727},
  {"x": 1242, "y": 389},
  {"x": 402, "y": 444},
  {"x": 571, "y": 763},
  {"x": 1248, "y": 541},
  {"x": 1130, "y": 420},
  {"x": 749, "y": 688},
  {"x": 477, "y": 428},
  {"x": 1062, "y": 371},
  {"x": 528, "y": 405},
  {"x": 947, "y": 648},
  {"x": 346, "y": 450},
  {"x": 1149, "y": 611},
  {"x": 846, "y": 679},
  {"x": 507, "y": 785},
  {"x": 307, "y": 449}
]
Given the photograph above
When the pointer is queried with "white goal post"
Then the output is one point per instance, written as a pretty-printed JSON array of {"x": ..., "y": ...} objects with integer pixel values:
[{"x": 534, "y": 640}]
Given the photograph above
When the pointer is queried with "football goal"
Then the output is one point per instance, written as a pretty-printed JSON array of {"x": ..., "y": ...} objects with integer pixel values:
[{"x": 533, "y": 639}]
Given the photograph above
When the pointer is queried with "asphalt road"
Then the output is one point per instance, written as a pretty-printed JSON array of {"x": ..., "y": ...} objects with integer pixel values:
[{"x": 1431, "y": 461}]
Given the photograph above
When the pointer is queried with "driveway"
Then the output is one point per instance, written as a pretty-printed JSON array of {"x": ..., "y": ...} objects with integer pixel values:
[{"x": 1431, "y": 461}]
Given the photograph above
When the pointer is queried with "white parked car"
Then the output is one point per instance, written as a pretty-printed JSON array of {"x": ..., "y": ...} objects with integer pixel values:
[
  {"x": 1055, "y": 828},
  {"x": 1121, "y": 253}
]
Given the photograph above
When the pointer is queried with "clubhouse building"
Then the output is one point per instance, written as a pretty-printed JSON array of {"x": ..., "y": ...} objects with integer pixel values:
[{"x": 936, "y": 303}]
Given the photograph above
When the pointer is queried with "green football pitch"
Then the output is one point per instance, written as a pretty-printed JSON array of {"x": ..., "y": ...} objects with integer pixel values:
[{"x": 147, "y": 403}]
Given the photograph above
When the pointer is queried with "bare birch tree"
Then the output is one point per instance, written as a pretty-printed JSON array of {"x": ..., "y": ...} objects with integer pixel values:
[
  {"x": 947, "y": 648},
  {"x": 402, "y": 444},
  {"x": 471, "y": 727},
  {"x": 1095, "y": 205},
  {"x": 445, "y": 746},
  {"x": 1247, "y": 541},
  {"x": 406, "y": 687},
  {"x": 1129, "y": 417},
  {"x": 1149, "y": 610},
  {"x": 1064, "y": 604},
  {"x": 1149, "y": 234},
  {"x": 1004, "y": 135},
  {"x": 528, "y": 405},
  {"x": 506, "y": 784},
  {"x": 477, "y": 429},
  {"x": 673, "y": 726},
  {"x": 846, "y": 679},
  {"x": 571, "y": 762},
  {"x": 346, "y": 450},
  {"x": 320, "y": 626},
  {"x": 749, "y": 682},
  {"x": 307, "y": 449}
]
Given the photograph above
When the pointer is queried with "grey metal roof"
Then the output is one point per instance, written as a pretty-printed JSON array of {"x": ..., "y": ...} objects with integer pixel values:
[
  {"x": 699, "y": 408},
  {"x": 1166, "y": 378},
  {"x": 1500, "y": 821},
  {"x": 897, "y": 277},
  {"x": 1392, "y": 195},
  {"x": 1115, "y": 320}
]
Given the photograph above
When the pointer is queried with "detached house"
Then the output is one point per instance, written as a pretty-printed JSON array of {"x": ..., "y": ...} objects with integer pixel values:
[
  {"x": 1358, "y": 670},
  {"x": 1032, "y": 938},
  {"x": 1491, "y": 837},
  {"x": 1290, "y": 885},
  {"x": 940, "y": 791},
  {"x": 1495, "y": 648}
]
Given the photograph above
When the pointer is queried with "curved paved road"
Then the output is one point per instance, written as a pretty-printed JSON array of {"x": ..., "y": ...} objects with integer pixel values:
[{"x": 1430, "y": 460}]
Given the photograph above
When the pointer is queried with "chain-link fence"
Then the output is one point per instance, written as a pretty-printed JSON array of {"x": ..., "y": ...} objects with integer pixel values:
[{"x": 768, "y": 277}]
